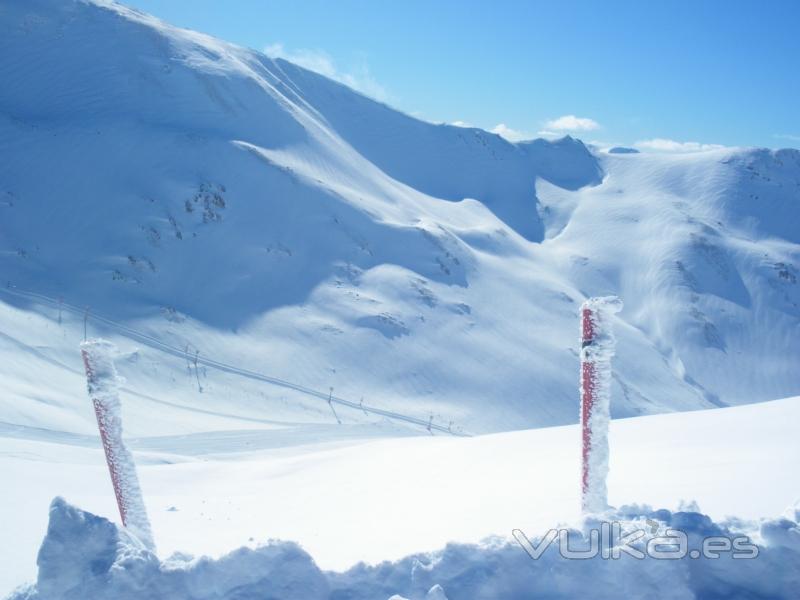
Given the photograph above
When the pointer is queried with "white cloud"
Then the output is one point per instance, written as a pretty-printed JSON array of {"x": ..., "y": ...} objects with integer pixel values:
[
  {"x": 571, "y": 123},
  {"x": 665, "y": 145},
  {"x": 787, "y": 136},
  {"x": 462, "y": 124},
  {"x": 512, "y": 135},
  {"x": 358, "y": 78}
]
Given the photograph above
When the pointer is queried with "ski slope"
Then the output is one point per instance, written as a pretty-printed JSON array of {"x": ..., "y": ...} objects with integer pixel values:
[
  {"x": 259, "y": 215},
  {"x": 382, "y": 499}
]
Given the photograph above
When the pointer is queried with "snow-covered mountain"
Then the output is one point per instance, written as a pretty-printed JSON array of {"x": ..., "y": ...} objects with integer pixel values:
[
  {"x": 263, "y": 216},
  {"x": 291, "y": 270}
]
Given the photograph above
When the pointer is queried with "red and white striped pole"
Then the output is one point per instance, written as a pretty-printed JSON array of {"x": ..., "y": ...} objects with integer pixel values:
[
  {"x": 597, "y": 349},
  {"x": 103, "y": 386},
  {"x": 587, "y": 396}
]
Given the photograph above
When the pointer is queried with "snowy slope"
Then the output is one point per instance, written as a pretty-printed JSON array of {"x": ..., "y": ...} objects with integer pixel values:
[
  {"x": 382, "y": 499},
  {"x": 269, "y": 218},
  {"x": 255, "y": 239}
]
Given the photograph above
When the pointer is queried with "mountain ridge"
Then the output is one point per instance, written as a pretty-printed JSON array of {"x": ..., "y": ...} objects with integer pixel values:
[{"x": 269, "y": 217}]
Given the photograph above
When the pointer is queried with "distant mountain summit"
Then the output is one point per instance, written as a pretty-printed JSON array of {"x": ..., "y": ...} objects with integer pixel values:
[{"x": 622, "y": 150}]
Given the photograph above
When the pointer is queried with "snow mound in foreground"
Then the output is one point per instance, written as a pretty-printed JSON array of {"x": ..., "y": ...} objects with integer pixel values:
[{"x": 86, "y": 556}]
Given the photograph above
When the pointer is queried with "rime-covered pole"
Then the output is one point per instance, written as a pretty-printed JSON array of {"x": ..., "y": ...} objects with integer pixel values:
[
  {"x": 597, "y": 349},
  {"x": 102, "y": 380}
]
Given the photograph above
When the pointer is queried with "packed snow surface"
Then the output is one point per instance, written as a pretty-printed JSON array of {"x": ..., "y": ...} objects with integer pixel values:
[{"x": 383, "y": 499}]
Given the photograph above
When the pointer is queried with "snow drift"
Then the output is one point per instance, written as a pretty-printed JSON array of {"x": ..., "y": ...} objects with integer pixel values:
[{"x": 87, "y": 557}]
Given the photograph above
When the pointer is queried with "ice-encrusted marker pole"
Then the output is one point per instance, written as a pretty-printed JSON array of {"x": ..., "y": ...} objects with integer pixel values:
[
  {"x": 103, "y": 385},
  {"x": 597, "y": 349}
]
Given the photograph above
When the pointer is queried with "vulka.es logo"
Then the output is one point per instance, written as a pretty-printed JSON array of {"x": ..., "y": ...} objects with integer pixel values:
[{"x": 610, "y": 542}]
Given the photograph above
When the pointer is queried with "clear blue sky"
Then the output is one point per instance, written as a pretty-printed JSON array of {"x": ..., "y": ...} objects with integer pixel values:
[{"x": 715, "y": 72}]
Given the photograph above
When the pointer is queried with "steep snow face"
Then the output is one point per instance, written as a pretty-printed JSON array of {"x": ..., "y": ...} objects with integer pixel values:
[
  {"x": 693, "y": 245},
  {"x": 263, "y": 216},
  {"x": 449, "y": 162}
]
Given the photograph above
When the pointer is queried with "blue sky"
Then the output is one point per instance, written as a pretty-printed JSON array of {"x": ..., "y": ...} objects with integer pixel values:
[{"x": 617, "y": 71}]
